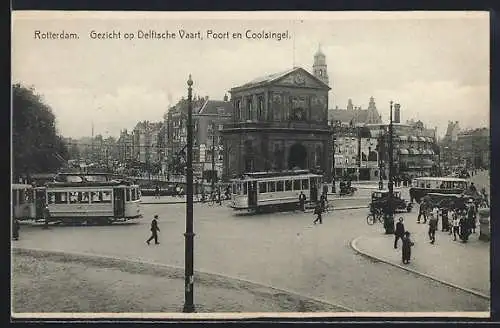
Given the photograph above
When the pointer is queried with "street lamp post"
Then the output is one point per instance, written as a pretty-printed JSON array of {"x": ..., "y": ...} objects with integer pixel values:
[
  {"x": 333, "y": 158},
  {"x": 213, "y": 158},
  {"x": 189, "y": 235},
  {"x": 389, "y": 217},
  {"x": 380, "y": 166}
]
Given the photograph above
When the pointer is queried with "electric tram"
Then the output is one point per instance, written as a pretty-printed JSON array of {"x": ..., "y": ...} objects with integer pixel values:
[
  {"x": 93, "y": 202},
  {"x": 279, "y": 191}
]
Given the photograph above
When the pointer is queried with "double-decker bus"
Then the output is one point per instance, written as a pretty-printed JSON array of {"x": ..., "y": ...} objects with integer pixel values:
[{"x": 259, "y": 191}]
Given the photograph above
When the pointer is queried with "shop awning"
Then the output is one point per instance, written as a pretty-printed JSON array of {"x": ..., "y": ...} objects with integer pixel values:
[
  {"x": 403, "y": 151},
  {"x": 403, "y": 138},
  {"x": 422, "y": 139},
  {"x": 413, "y": 151},
  {"x": 412, "y": 138}
]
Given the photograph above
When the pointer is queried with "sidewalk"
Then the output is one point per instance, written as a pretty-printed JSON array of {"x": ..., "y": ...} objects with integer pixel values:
[
  {"x": 462, "y": 265},
  {"x": 56, "y": 282}
]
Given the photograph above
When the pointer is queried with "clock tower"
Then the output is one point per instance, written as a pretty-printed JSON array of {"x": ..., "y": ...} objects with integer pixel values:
[{"x": 319, "y": 67}]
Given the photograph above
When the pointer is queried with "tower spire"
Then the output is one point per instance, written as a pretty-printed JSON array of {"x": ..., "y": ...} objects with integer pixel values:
[{"x": 320, "y": 69}]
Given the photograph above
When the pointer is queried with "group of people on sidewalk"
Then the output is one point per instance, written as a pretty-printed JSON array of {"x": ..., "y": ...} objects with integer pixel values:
[
  {"x": 401, "y": 233},
  {"x": 462, "y": 224}
]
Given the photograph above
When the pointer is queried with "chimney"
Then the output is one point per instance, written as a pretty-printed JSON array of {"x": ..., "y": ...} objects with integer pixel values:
[
  {"x": 225, "y": 97},
  {"x": 397, "y": 113}
]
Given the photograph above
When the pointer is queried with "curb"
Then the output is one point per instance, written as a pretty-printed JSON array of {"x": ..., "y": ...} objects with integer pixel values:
[
  {"x": 355, "y": 247},
  {"x": 175, "y": 270}
]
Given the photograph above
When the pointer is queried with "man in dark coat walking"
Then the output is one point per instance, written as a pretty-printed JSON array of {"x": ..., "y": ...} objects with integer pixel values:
[
  {"x": 318, "y": 211},
  {"x": 433, "y": 223},
  {"x": 399, "y": 232},
  {"x": 154, "y": 231},
  {"x": 407, "y": 244},
  {"x": 46, "y": 216},
  {"x": 15, "y": 229},
  {"x": 302, "y": 201}
]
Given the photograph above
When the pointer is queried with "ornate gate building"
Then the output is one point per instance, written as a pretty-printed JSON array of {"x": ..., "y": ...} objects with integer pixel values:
[{"x": 280, "y": 122}]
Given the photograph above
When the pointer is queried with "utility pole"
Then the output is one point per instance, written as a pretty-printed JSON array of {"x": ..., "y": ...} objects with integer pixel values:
[
  {"x": 189, "y": 235},
  {"x": 333, "y": 156},
  {"x": 213, "y": 157},
  {"x": 389, "y": 218}
]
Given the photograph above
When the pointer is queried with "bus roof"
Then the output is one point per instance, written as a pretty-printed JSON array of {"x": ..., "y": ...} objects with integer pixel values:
[
  {"x": 303, "y": 176},
  {"x": 441, "y": 179}
]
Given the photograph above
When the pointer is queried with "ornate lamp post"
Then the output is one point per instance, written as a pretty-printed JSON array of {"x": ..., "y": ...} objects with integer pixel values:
[
  {"x": 189, "y": 235},
  {"x": 389, "y": 215},
  {"x": 380, "y": 164}
]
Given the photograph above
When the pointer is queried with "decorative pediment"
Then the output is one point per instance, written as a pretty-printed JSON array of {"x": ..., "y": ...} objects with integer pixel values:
[{"x": 300, "y": 78}]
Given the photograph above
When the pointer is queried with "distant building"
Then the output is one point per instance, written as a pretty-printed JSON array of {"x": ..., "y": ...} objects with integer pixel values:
[
  {"x": 208, "y": 119},
  {"x": 147, "y": 142},
  {"x": 474, "y": 147},
  {"x": 355, "y": 116},
  {"x": 125, "y": 146}
]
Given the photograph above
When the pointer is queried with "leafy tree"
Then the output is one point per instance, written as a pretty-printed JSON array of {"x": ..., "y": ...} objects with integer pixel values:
[{"x": 36, "y": 145}]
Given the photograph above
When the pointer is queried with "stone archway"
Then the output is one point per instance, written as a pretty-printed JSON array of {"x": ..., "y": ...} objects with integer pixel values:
[{"x": 297, "y": 156}]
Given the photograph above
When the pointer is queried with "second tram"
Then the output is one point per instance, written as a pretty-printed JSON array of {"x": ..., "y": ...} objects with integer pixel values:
[{"x": 259, "y": 191}]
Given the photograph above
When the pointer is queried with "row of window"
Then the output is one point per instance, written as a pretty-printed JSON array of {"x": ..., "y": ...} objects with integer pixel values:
[
  {"x": 273, "y": 186},
  {"x": 88, "y": 197}
]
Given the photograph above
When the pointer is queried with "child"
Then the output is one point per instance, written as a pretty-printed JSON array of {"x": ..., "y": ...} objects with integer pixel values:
[{"x": 407, "y": 244}]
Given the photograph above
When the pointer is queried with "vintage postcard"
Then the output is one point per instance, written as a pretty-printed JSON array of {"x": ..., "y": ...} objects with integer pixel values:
[{"x": 250, "y": 164}]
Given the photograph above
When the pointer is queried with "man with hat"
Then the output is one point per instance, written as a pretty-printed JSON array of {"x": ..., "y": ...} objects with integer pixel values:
[
  {"x": 471, "y": 215},
  {"x": 399, "y": 232},
  {"x": 154, "y": 230}
]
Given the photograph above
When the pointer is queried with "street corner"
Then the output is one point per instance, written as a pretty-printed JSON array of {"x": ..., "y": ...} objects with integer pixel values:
[{"x": 427, "y": 262}]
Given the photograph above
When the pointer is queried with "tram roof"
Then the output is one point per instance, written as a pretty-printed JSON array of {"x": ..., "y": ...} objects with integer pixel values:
[
  {"x": 283, "y": 174},
  {"x": 21, "y": 186},
  {"x": 441, "y": 179},
  {"x": 111, "y": 183}
]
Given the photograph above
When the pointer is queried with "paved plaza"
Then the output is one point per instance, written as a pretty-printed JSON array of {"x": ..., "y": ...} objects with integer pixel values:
[{"x": 282, "y": 250}]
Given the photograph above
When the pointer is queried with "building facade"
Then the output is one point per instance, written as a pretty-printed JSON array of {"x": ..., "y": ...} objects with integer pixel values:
[
  {"x": 415, "y": 148},
  {"x": 279, "y": 122},
  {"x": 147, "y": 142},
  {"x": 474, "y": 147},
  {"x": 208, "y": 119}
]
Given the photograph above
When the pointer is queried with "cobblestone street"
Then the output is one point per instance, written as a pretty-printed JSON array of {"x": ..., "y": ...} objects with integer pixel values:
[{"x": 283, "y": 250}]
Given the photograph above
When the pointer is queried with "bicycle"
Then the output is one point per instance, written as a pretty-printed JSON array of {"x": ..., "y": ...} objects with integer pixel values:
[{"x": 374, "y": 216}]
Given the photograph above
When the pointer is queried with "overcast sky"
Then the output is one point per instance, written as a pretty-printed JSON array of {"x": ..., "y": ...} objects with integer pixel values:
[{"x": 436, "y": 65}]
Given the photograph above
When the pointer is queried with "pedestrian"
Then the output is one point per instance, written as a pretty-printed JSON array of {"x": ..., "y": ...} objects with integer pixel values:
[
  {"x": 407, "y": 244},
  {"x": 318, "y": 211},
  {"x": 157, "y": 192},
  {"x": 464, "y": 229},
  {"x": 46, "y": 216},
  {"x": 433, "y": 222},
  {"x": 456, "y": 226},
  {"x": 471, "y": 215},
  {"x": 15, "y": 229},
  {"x": 322, "y": 201},
  {"x": 399, "y": 232},
  {"x": 154, "y": 231},
  {"x": 422, "y": 211},
  {"x": 302, "y": 201},
  {"x": 445, "y": 224}
]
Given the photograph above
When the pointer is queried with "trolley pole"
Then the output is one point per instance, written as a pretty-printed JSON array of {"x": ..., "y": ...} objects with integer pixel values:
[
  {"x": 189, "y": 235},
  {"x": 333, "y": 157}
]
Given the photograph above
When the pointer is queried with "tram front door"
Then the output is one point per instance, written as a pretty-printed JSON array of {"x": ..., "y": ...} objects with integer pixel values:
[
  {"x": 314, "y": 190},
  {"x": 119, "y": 202}
]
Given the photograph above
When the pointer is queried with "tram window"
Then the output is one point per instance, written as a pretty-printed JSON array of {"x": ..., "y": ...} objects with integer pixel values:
[
  {"x": 28, "y": 195},
  {"x": 51, "y": 197},
  {"x": 245, "y": 188},
  {"x": 271, "y": 186},
  {"x": 133, "y": 194},
  {"x": 61, "y": 198},
  {"x": 96, "y": 196},
  {"x": 129, "y": 191},
  {"x": 305, "y": 184},
  {"x": 296, "y": 184},
  {"x": 73, "y": 197},
  {"x": 106, "y": 196},
  {"x": 234, "y": 188},
  {"x": 21, "y": 197},
  {"x": 262, "y": 187},
  {"x": 279, "y": 185},
  {"x": 449, "y": 184},
  {"x": 14, "y": 197},
  {"x": 428, "y": 186},
  {"x": 288, "y": 185},
  {"x": 84, "y": 197}
]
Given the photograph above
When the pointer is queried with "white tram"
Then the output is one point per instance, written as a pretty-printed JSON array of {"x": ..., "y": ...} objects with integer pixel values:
[
  {"x": 274, "y": 190},
  {"x": 93, "y": 202}
]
